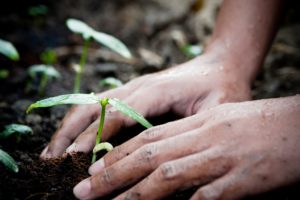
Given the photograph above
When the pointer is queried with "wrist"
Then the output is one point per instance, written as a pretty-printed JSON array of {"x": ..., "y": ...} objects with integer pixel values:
[{"x": 245, "y": 65}]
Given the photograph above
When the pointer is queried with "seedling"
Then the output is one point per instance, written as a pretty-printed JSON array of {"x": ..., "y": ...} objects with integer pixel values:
[
  {"x": 111, "y": 82},
  {"x": 93, "y": 99},
  {"x": 12, "y": 129},
  {"x": 15, "y": 129},
  {"x": 88, "y": 35},
  {"x": 47, "y": 72},
  {"x": 8, "y": 50}
]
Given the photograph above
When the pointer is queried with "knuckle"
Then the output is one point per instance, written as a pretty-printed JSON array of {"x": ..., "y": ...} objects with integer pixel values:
[
  {"x": 209, "y": 193},
  {"x": 152, "y": 134},
  {"x": 169, "y": 170},
  {"x": 107, "y": 177},
  {"x": 149, "y": 153}
]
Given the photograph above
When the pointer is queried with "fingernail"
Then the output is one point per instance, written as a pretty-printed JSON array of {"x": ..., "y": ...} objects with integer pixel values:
[
  {"x": 82, "y": 189},
  {"x": 97, "y": 167},
  {"x": 45, "y": 154},
  {"x": 72, "y": 148}
]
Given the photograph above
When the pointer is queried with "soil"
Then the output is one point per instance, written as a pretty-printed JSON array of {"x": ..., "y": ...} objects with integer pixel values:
[{"x": 142, "y": 25}]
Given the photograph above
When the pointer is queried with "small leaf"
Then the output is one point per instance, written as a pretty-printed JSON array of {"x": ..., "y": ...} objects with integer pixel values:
[
  {"x": 8, "y": 49},
  {"x": 15, "y": 129},
  {"x": 112, "y": 43},
  {"x": 8, "y": 161},
  {"x": 111, "y": 82},
  {"x": 104, "y": 145},
  {"x": 80, "y": 27},
  {"x": 49, "y": 70},
  {"x": 65, "y": 99},
  {"x": 127, "y": 110},
  {"x": 88, "y": 32}
]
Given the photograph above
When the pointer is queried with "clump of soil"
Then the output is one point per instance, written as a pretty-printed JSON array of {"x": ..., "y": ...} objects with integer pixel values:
[{"x": 46, "y": 179}]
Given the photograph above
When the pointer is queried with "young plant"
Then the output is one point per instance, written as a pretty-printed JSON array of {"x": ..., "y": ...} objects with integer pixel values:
[
  {"x": 111, "y": 82},
  {"x": 93, "y": 99},
  {"x": 88, "y": 35},
  {"x": 15, "y": 129},
  {"x": 7, "y": 49},
  {"x": 47, "y": 72},
  {"x": 12, "y": 129}
]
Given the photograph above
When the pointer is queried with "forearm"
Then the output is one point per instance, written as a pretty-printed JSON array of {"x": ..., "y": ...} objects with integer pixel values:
[{"x": 244, "y": 32}]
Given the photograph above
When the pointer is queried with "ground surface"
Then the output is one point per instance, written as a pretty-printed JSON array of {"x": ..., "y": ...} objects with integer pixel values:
[{"x": 142, "y": 25}]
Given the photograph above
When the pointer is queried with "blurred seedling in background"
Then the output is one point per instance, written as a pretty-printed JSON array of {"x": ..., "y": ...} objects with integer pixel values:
[
  {"x": 93, "y": 99},
  {"x": 17, "y": 130},
  {"x": 44, "y": 72},
  {"x": 88, "y": 35},
  {"x": 110, "y": 82},
  {"x": 8, "y": 50}
]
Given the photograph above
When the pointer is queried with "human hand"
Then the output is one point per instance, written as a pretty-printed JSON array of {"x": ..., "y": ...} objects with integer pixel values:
[
  {"x": 229, "y": 152},
  {"x": 186, "y": 89}
]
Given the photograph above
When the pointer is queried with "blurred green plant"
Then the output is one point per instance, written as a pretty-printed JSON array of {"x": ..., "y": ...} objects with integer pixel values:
[
  {"x": 37, "y": 10},
  {"x": 110, "y": 82},
  {"x": 191, "y": 51},
  {"x": 8, "y": 50},
  {"x": 88, "y": 35},
  {"x": 8, "y": 161},
  {"x": 46, "y": 73},
  {"x": 17, "y": 130},
  {"x": 93, "y": 99}
]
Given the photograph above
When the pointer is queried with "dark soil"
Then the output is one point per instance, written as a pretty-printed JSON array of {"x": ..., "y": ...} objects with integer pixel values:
[{"x": 141, "y": 25}]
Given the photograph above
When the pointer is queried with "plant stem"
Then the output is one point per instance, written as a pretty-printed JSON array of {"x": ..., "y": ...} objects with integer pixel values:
[
  {"x": 43, "y": 84},
  {"x": 82, "y": 65},
  {"x": 103, "y": 103}
]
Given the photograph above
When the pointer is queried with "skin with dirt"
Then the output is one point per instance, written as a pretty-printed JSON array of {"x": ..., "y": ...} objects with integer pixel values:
[{"x": 55, "y": 179}]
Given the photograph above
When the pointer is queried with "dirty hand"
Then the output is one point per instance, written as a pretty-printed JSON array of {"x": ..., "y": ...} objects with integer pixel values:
[
  {"x": 228, "y": 152},
  {"x": 187, "y": 89}
]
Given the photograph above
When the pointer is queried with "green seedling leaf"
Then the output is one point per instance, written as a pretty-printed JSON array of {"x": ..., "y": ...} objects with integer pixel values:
[
  {"x": 4, "y": 73},
  {"x": 15, "y": 129},
  {"x": 111, "y": 82},
  {"x": 192, "y": 50},
  {"x": 38, "y": 10},
  {"x": 127, "y": 110},
  {"x": 48, "y": 57},
  {"x": 49, "y": 70},
  {"x": 65, "y": 99},
  {"x": 8, "y": 50},
  {"x": 8, "y": 161},
  {"x": 87, "y": 32},
  {"x": 103, "y": 146}
]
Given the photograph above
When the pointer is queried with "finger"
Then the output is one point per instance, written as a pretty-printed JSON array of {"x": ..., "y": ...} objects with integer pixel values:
[
  {"x": 116, "y": 120},
  {"x": 76, "y": 121},
  {"x": 148, "y": 136},
  {"x": 193, "y": 170},
  {"x": 143, "y": 161},
  {"x": 217, "y": 189}
]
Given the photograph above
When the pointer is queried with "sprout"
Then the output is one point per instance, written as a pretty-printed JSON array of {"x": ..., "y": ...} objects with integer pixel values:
[
  {"x": 88, "y": 34},
  {"x": 111, "y": 82},
  {"x": 93, "y": 99},
  {"x": 8, "y": 50},
  {"x": 47, "y": 72},
  {"x": 4, "y": 73},
  {"x": 15, "y": 129}
]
